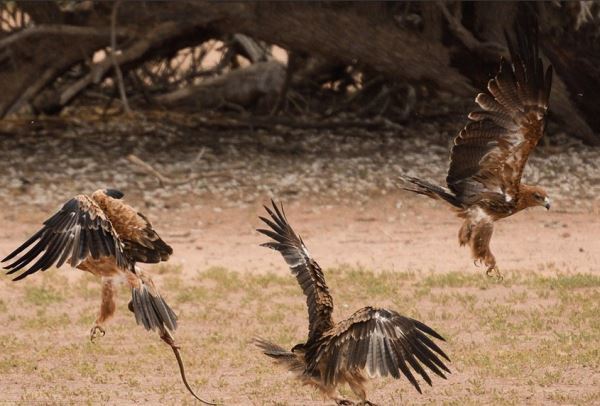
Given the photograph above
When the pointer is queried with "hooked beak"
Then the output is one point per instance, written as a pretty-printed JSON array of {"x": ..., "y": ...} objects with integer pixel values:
[{"x": 547, "y": 203}]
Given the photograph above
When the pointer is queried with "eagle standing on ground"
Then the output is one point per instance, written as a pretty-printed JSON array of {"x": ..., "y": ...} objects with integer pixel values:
[
  {"x": 106, "y": 237},
  {"x": 489, "y": 154},
  {"x": 372, "y": 342}
]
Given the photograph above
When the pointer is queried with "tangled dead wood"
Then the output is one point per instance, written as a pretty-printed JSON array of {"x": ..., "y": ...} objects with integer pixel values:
[{"x": 333, "y": 50}]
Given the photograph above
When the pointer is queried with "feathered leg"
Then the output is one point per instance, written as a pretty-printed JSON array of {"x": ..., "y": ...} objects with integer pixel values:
[
  {"x": 357, "y": 383},
  {"x": 464, "y": 234},
  {"x": 107, "y": 308},
  {"x": 480, "y": 237}
]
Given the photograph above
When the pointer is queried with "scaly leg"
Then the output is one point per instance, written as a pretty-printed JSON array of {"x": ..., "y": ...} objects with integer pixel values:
[
  {"x": 492, "y": 269},
  {"x": 107, "y": 308}
]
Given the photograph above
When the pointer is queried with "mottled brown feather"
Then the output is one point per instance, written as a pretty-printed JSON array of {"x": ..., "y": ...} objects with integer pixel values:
[
  {"x": 141, "y": 242},
  {"x": 493, "y": 150},
  {"x": 372, "y": 342}
]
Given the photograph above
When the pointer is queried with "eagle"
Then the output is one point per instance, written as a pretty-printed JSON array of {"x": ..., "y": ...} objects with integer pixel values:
[
  {"x": 372, "y": 342},
  {"x": 490, "y": 152},
  {"x": 102, "y": 235}
]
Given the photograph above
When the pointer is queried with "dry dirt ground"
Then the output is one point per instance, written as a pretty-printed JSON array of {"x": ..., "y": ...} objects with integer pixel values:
[{"x": 533, "y": 338}]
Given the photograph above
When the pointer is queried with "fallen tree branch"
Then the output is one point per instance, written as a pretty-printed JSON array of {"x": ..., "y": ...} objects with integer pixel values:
[
  {"x": 165, "y": 180},
  {"x": 490, "y": 50},
  {"x": 33, "y": 89},
  {"x": 70, "y": 30},
  {"x": 240, "y": 87},
  {"x": 99, "y": 70},
  {"x": 162, "y": 180}
]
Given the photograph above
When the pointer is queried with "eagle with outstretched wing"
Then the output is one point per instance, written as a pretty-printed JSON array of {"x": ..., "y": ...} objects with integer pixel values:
[
  {"x": 490, "y": 152},
  {"x": 106, "y": 237},
  {"x": 372, "y": 342}
]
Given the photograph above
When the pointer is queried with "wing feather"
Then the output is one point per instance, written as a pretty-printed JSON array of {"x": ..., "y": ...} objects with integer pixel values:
[
  {"x": 381, "y": 342},
  {"x": 490, "y": 153},
  {"x": 306, "y": 270},
  {"x": 79, "y": 229},
  {"x": 140, "y": 241}
]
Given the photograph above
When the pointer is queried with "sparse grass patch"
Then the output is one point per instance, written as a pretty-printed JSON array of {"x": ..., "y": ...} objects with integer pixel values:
[
  {"x": 515, "y": 342},
  {"x": 564, "y": 281},
  {"x": 166, "y": 268},
  {"x": 456, "y": 280},
  {"x": 42, "y": 295}
]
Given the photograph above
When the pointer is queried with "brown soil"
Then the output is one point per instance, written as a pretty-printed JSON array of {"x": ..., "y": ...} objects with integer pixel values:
[
  {"x": 378, "y": 228},
  {"x": 395, "y": 233}
]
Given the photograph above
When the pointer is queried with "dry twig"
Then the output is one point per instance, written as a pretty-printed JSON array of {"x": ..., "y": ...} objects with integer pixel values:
[
  {"x": 113, "y": 50},
  {"x": 162, "y": 180}
]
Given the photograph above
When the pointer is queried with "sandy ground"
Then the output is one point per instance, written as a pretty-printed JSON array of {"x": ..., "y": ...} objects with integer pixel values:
[
  {"x": 394, "y": 233},
  {"x": 532, "y": 339}
]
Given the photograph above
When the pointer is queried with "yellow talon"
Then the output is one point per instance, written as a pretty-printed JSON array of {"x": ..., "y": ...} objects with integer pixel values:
[{"x": 96, "y": 331}]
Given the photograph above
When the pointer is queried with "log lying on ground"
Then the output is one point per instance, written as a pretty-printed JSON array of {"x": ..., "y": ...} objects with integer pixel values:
[{"x": 241, "y": 87}]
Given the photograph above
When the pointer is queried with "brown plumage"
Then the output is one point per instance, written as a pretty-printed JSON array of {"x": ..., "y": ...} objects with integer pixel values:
[
  {"x": 106, "y": 237},
  {"x": 372, "y": 342},
  {"x": 490, "y": 153}
]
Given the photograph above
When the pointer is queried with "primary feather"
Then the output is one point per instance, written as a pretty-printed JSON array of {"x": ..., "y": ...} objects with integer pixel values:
[{"x": 372, "y": 342}]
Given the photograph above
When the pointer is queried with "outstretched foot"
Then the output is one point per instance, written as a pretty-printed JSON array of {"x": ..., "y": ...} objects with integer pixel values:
[
  {"x": 366, "y": 403},
  {"x": 344, "y": 402},
  {"x": 493, "y": 271},
  {"x": 96, "y": 331}
]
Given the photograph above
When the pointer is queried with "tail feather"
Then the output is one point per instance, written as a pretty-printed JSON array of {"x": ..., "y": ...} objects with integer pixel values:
[
  {"x": 281, "y": 355},
  {"x": 151, "y": 310},
  {"x": 425, "y": 188}
]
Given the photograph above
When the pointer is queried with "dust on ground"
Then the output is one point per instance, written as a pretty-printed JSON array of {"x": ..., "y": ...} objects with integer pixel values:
[{"x": 340, "y": 192}]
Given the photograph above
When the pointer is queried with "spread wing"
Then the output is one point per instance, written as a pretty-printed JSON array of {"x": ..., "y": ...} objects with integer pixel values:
[
  {"x": 305, "y": 269},
  {"x": 141, "y": 242},
  {"x": 77, "y": 231},
  {"x": 489, "y": 154},
  {"x": 381, "y": 342}
]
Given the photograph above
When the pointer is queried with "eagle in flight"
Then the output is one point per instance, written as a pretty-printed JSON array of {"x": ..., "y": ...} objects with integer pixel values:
[
  {"x": 372, "y": 342},
  {"x": 490, "y": 152},
  {"x": 106, "y": 237}
]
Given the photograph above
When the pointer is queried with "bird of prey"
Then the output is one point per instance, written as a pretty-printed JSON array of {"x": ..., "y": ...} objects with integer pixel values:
[
  {"x": 490, "y": 152},
  {"x": 372, "y": 342},
  {"x": 106, "y": 237}
]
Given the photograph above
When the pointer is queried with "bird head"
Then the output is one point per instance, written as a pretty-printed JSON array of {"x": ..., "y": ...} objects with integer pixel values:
[
  {"x": 299, "y": 348},
  {"x": 536, "y": 196},
  {"x": 114, "y": 193}
]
